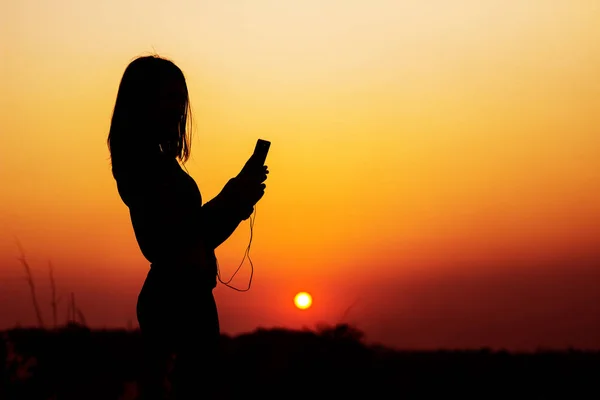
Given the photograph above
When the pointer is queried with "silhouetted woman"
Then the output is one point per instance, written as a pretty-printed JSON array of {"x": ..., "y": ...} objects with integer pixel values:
[{"x": 176, "y": 310}]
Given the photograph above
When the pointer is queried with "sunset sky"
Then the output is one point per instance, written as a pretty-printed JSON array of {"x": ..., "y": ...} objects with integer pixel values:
[{"x": 434, "y": 167}]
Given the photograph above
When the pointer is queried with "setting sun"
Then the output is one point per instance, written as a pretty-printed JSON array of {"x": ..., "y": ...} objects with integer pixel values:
[{"x": 303, "y": 300}]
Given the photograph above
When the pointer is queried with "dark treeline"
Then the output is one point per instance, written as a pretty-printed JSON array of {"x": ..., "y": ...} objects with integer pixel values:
[{"x": 330, "y": 362}]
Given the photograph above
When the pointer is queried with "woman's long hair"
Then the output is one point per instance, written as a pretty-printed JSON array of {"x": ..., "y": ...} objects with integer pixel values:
[{"x": 134, "y": 132}]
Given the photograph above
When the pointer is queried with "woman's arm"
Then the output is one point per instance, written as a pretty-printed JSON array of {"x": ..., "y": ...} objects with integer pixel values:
[
  {"x": 234, "y": 204},
  {"x": 222, "y": 215}
]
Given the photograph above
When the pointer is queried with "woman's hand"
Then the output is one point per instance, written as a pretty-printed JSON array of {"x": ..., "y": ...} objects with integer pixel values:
[
  {"x": 251, "y": 184},
  {"x": 248, "y": 188},
  {"x": 254, "y": 172}
]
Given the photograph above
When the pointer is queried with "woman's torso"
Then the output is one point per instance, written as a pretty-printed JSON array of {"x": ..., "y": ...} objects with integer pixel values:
[{"x": 165, "y": 207}]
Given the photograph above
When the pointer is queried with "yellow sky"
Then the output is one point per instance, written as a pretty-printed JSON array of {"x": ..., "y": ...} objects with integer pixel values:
[{"x": 411, "y": 134}]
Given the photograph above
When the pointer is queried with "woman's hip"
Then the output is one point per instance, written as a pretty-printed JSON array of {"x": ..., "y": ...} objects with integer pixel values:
[{"x": 174, "y": 304}]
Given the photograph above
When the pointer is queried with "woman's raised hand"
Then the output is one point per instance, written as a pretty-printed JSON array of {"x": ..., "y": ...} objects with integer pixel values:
[{"x": 251, "y": 181}]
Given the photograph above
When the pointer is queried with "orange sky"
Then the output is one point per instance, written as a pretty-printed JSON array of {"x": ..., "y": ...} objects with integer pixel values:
[{"x": 435, "y": 166}]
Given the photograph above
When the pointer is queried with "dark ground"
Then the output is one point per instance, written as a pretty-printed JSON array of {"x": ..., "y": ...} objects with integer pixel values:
[{"x": 333, "y": 362}]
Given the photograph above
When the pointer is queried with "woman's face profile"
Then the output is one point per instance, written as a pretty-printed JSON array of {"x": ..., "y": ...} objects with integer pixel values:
[{"x": 169, "y": 108}]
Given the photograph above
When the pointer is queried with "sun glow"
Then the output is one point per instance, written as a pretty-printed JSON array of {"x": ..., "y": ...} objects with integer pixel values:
[{"x": 303, "y": 300}]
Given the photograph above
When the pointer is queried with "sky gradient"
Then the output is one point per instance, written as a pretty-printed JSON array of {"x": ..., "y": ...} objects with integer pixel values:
[{"x": 435, "y": 166}]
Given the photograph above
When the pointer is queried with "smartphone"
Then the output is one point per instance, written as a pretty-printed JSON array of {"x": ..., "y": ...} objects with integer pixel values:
[{"x": 261, "y": 150}]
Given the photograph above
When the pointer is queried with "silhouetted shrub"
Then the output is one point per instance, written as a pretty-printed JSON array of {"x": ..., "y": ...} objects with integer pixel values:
[{"x": 74, "y": 362}]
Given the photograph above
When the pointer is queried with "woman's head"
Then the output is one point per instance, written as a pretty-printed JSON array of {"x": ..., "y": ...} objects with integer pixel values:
[{"x": 151, "y": 112}]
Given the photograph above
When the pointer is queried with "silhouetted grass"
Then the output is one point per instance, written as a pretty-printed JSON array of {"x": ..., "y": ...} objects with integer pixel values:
[
  {"x": 74, "y": 362},
  {"x": 74, "y": 313}
]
